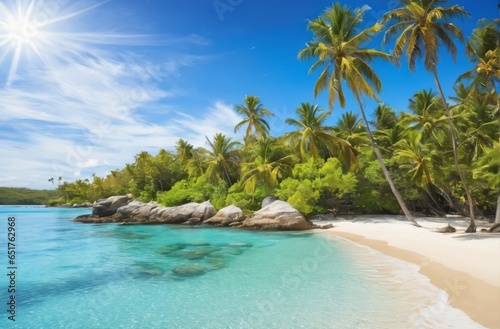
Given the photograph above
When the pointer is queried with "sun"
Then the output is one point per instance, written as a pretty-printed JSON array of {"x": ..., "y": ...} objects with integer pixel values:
[
  {"x": 31, "y": 27},
  {"x": 21, "y": 31}
]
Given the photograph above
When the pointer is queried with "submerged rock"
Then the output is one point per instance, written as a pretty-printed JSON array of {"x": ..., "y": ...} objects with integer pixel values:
[
  {"x": 279, "y": 215},
  {"x": 151, "y": 272},
  {"x": 172, "y": 248},
  {"x": 189, "y": 270}
]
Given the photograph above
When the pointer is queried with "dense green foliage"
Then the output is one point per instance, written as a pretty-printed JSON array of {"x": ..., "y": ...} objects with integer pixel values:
[
  {"x": 318, "y": 167},
  {"x": 24, "y": 196}
]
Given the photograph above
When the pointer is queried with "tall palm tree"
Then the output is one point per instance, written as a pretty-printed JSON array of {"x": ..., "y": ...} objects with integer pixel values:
[
  {"x": 253, "y": 112},
  {"x": 223, "y": 159},
  {"x": 338, "y": 47},
  {"x": 423, "y": 27}
]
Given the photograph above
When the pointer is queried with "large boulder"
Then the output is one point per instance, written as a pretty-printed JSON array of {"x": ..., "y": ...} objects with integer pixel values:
[
  {"x": 226, "y": 216},
  {"x": 279, "y": 215},
  {"x": 108, "y": 207},
  {"x": 176, "y": 215}
]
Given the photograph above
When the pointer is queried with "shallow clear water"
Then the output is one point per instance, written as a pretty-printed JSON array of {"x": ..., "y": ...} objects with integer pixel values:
[{"x": 73, "y": 275}]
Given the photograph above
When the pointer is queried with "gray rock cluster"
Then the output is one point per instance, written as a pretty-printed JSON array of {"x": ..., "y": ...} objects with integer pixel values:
[{"x": 274, "y": 215}]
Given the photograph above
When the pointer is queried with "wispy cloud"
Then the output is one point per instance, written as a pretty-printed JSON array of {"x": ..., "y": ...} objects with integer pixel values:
[{"x": 80, "y": 118}]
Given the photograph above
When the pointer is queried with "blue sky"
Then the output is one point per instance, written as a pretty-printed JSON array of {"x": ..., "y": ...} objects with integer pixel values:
[{"x": 87, "y": 84}]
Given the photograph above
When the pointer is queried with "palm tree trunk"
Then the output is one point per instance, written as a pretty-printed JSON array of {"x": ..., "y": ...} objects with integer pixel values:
[
  {"x": 497, "y": 216},
  {"x": 472, "y": 225},
  {"x": 386, "y": 172}
]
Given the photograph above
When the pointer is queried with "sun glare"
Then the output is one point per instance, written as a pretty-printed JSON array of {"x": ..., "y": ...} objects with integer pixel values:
[
  {"x": 20, "y": 31},
  {"x": 30, "y": 27}
]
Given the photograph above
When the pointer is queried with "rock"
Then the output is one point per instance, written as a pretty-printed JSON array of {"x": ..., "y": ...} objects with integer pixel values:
[
  {"x": 109, "y": 206},
  {"x": 327, "y": 226},
  {"x": 151, "y": 272},
  {"x": 279, "y": 215},
  {"x": 82, "y": 205},
  {"x": 447, "y": 229},
  {"x": 267, "y": 201},
  {"x": 189, "y": 270},
  {"x": 226, "y": 216},
  {"x": 204, "y": 211},
  {"x": 129, "y": 208},
  {"x": 176, "y": 215},
  {"x": 143, "y": 213},
  {"x": 91, "y": 219}
]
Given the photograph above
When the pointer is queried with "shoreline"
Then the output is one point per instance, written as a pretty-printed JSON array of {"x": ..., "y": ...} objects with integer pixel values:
[{"x": 464, "y": 265}]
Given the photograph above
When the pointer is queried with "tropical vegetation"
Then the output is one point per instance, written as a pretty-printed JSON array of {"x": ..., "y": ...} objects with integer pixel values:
[{"x": 437, "y": 156}]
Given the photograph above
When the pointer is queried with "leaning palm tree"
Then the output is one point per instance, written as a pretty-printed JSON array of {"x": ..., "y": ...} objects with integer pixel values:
[
  {"x": 338, "y": 47},
  {"x": 422, "y": 27},
  {"x": 253, "y": 112}
]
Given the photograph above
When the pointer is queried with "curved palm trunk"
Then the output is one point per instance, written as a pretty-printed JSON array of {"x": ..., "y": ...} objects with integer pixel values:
[
  {"x": 386, "y": 172},
  {"x": 472, "y": 225}
]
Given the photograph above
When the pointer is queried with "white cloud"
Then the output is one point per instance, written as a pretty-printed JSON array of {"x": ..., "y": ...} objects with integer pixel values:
[
  {"x": 7, "y": 179},
  {"x": 90, "y": 163}
]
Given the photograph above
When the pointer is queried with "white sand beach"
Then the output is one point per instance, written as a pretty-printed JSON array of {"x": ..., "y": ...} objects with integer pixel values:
[{"x": 466, "y": 266}]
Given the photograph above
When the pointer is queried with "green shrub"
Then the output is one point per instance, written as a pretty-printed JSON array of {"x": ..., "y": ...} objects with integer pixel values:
[{"x": 313, "y": 182}]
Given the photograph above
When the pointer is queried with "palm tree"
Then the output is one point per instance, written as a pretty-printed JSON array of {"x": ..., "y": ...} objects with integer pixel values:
[
  {"x": 223, "y": 159},
  {"x": 313, "y": 137},
  {"x": 253, "y": 112},
  {"x": 484, "y": 51},
  {"x": 488, "y": 170},
  {"x": 184, "y": 152},
  {"x": 416, "y": 156},
  {"x": 337, "y": 45},
  {"x": 428, "y": 114},
  {"x": 350, "y": 128},
  {"x": 270, "y": 161},
  {"x": 422, "y": 27},
  {"x": 385, "y": 117}
]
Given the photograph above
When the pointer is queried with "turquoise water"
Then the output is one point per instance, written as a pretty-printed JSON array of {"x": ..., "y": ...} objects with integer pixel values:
[{"x": 73, "y": 275}]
